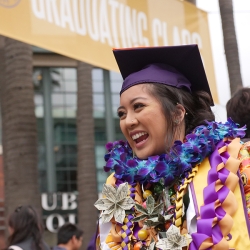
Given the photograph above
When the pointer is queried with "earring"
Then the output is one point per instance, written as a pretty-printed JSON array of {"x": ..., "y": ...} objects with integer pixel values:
[{"x": 177, "y": 122}]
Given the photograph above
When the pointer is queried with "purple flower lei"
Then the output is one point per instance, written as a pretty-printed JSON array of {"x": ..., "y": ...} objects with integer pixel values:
[{"x": 174, "y": 165}]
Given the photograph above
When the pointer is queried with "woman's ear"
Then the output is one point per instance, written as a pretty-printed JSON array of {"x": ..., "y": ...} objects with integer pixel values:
[{"x": 179, "y": 114}]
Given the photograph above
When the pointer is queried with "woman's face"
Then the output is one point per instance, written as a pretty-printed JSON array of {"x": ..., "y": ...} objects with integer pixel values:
[{"x": 142, "y": 122}]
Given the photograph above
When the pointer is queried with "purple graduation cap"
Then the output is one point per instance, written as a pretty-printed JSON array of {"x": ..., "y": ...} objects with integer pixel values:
[{"x": 177, "y": 66}]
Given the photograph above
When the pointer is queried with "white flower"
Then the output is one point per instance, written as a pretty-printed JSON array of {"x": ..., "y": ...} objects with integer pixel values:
[
  {"x": 114, "y": 203},
  {"x": 174, "y": 240}
]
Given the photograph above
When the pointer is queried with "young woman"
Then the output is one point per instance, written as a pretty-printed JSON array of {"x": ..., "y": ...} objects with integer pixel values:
[
  {"x": 25, "y": 229},
  {"x": 175, "y": 183}
]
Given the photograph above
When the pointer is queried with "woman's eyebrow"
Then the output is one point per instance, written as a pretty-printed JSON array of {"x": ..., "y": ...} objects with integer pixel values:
[
  {"x": 131, "y": 101},
  {"x": 136, "y": 98},
  {"x": 121, "y": 107}
]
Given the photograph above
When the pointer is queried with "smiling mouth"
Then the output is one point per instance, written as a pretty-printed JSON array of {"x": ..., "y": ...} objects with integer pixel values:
[{"x": 137, "y": 138}]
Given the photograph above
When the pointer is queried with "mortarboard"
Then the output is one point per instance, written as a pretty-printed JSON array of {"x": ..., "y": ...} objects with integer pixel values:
[{"x": 177, "y": 66}]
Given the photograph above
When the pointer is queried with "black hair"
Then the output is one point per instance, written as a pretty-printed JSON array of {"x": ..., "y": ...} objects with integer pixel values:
[
  {"x": 197, "y": 107},
  {"x": 26, "y": 223},
  {"x": 238, "y": 108},
  {"x": 66, "y": 232}
]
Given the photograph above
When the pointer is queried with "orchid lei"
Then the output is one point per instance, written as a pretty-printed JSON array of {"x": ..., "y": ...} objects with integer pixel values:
[{"x": 174, "y": 165}]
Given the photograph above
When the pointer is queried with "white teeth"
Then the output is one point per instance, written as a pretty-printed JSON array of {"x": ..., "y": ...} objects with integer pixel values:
[{"x": 136, "y": 136}]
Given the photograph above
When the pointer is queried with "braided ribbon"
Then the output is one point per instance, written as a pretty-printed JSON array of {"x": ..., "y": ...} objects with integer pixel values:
[
  {"x": 179, "y": 196},
  {"x": 127, "y": 228},
  {"x": 220, "y": 204}
]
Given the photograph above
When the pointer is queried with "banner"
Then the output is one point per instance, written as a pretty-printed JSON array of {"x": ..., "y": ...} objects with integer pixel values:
[{"x": 87, "y": 30}]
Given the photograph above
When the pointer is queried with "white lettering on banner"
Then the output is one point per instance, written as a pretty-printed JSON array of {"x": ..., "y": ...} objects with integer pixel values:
[
  {"x": 92, "y": 23},
  {"x": 80, "y": 25},
  {"x": 156, "y": 30},
  {"x": 186, "y": 37},
  {"x": 66, "y": 16},
  {"x": 110, "y": 22},
  {"x": 142, "y": 25},
  {"x": 104, "y": 24},
  {"x": 196, "y": 38},
  {"x": 164, "y": 34},
  {"x": 51, "y": 10},
  {"x": 176, "y": 36},
  {"x": 122, "y": 26},
  {"x": 69, "y": 201},
  {"x": 50, "y": 222},
  {"x": 39, "y": 12},
  {"x": 130, "y": 23},
  {"x": 45, "y": 202},
  {"x": 114, "y": 6}
]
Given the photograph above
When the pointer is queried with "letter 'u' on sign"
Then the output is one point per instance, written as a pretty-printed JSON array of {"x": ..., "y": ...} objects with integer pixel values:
[{"x": 45, "y": 202}]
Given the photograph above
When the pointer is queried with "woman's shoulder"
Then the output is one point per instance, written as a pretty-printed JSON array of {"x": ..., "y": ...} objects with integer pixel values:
[
  {"x": 14, "y": 247},
  {"x": 27, "y": 245}
]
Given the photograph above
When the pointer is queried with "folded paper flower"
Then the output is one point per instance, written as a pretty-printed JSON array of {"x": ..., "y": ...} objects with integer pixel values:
[
  {"x": 114, "y": 203},
  {"x": 151, "y": 211},
  {"x": 174, "y": 240}
]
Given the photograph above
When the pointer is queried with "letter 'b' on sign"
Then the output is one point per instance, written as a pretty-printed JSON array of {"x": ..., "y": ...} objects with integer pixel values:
[{"x": 69, "y": 201}]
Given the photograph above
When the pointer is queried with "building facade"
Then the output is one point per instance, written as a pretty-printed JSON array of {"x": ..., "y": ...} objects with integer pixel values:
[
  {"x": 56, "y": 91},
  {"x": 55, "y": 98}
]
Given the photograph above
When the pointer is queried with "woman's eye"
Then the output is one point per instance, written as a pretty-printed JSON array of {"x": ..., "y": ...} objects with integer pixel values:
[
  {"x": 120, "y": 114},
  {"x": 138, "y": 106}
]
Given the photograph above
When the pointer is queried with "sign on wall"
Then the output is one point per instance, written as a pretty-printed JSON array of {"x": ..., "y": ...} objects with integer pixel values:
[
  {"x": 58, "y": 208},
  {"x": 87, "y": 30}
]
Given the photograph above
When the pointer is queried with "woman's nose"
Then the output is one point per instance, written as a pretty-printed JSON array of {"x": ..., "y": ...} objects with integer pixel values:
[{"x": 131, "y": 121}]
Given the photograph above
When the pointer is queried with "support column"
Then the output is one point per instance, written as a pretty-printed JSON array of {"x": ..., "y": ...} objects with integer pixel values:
[
  {"x": 49, "y": 130},
  {"x": 110, "y": 126}
]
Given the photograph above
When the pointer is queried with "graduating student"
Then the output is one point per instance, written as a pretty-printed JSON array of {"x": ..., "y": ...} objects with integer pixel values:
[{"x": 175, "y": 181}]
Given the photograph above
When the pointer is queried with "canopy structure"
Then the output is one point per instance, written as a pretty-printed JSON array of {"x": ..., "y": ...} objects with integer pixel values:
[{"x": 87, "y": 30}]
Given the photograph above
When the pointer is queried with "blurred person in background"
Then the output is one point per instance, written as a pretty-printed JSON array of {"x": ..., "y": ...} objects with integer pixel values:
[
  {"x": 25, "y": 229},
  {"x": 69, "y": 237},
  {"x": 238, "y": 108}
]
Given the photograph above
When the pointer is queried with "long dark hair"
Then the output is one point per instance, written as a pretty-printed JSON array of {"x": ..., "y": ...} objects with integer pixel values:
[
  {"x": 197, "y": 106},
  {"x": 238, "y": 108},
  {"x": 25, "y": 223}
]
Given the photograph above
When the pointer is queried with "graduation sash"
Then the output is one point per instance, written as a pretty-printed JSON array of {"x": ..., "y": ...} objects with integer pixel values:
[{"x": 217, "y": 191}]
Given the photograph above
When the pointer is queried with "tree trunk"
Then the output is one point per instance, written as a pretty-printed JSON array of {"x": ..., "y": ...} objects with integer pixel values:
[
  {"x": 19, "y": 127},
  {"x": 230, "y": 44},
  {"x": 86, "y": 169},
  {"x": 192, "y": 1},
  {"x": 2, "y": 213}
]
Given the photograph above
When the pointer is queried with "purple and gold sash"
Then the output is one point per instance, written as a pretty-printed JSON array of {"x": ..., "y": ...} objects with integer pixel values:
[{"x": 222, "y": 221}]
